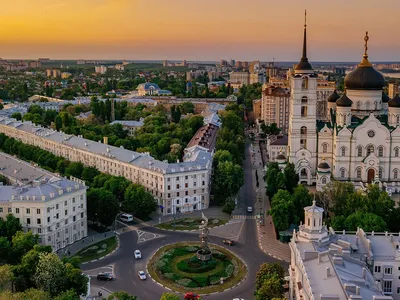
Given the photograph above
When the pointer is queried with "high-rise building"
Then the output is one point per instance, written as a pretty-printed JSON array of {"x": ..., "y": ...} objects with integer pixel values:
[
  {"x": 275, "y": 106},
  {"x": 100, "y": 69},
  {"x": 393, "y": 89},
  {"x": 239, "y": 77}
]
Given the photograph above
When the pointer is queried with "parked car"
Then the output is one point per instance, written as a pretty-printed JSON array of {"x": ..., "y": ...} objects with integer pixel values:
[
  {"x": 138, "y": 254},
  {"x": 228, "y": 242},
  {"x": 249, "y": 209},
  {"x": 142, "y": 275},
  {"x": 105, "y": 276},
  {"x": 191, "y": 296}
]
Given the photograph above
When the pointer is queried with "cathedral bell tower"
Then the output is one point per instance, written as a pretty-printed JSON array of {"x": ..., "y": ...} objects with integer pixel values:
[{"x": 302, "y": 136}]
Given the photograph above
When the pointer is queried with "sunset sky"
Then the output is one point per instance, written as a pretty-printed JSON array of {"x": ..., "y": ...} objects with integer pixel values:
[{"x": 198, "y": 30}]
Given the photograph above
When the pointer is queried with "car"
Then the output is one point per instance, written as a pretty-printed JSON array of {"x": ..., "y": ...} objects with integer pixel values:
[
  {"x": 191, "y": 296},
  {"x": 228, "y": 242},
  {"x": 138, "y": 254},
  {"x": 105, "y": 276},
  {"x": 238, "y": 299},
  {"x": 249, "y": 209},
  {"x": 142, "y": 275}
]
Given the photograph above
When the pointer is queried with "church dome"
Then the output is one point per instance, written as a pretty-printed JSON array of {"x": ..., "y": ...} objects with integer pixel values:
[
  {"x": 280, "y": 157},
  {"x": 344, "y": 101},
  {"x": 333, "y": 97},
  {"x": 323, "y": 165},
  {"x": 364, "y": 77},
  {"x": 395, "y": 102},
  {"x": 385, "y": 98}
]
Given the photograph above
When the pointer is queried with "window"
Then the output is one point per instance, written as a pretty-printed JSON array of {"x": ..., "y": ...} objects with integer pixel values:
[
  {"x": 39, "y": 230},
  {"x": 66, "y": 212},
  {"x": 387, "y": 286},
  {"x": 376, "y": 105},
  {"x": 358, "y": 105},
  {"x": 186, "y": 200},
  {"x": 177, "y": 201},
  {"x": 395, "y": 174},
  {"x": 344, "y": 119},
  {"x": 304, "y": 110},
  {"x": 177, "y": 186},
  {"x": 398, "y": 290},
  {"x": 169, "y": 187},
  {"x": 388, "y": 271},
  {"x": 1, "y": 209},
  {"x": 367, "y": 106},
  {"x": 57, "y": 216},
  {"x": 28, "y": 221},
  {"x": 169, "y": 195},
  {"x": 177, "y": 194},
  {"x": 303, "y": 130},
  {"x": 304, "y": 83},
  {"x": 204, "y": 183},
  {"x": 177, "y": 178},
  {"x": 56, "y": 206},
  {"x": 194, "y": 183},
  {"x": 9, "y": 210},
  {"x": 48, "y": 219},
  {"x": 358, "y": 173},
  {"x": 39, "y": 221},
  {"x": 48, "y": 209},
  {"x": 66, "y": 222},
  {"x": 73, "y": 218},
  {"x": 380, "y": 172},
  {"x": 186, "y": 185},
  {"x": 398, "y": 119},
  {"x": 396, "y": 152},
  {"x": 380, "y": 151},
  {"x": 28, "y": 211},
  {"x": 17, "y": 210},
  {"x": 324, "y": 148},
  {"x": 73, "y": 200},
  {"x": 65, "y": 203},
  {"x": 370, "y": 149},
  {"x": 186, "y": 193},
  {"x": 342, "y": 172},
  {"x": 323, "y": 181},
  {"x": 359, "y": 151},
  {"x": 343, "y": 149},
  {"x": 186, "y": 177},
  {"x": 66, "y": 230},
  {"x": 38, "y": 211},
  {"x": 81, "y": 215}
]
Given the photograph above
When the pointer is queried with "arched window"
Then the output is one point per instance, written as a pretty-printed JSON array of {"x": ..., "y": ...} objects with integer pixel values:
[
  {"x": 344, "y": 119},
  {"x": 343, "y": 150},
  {"x": 323, "y": 180},
  {"x": 359, "y": 151},
  {"x": 380, "y": 172},
  {"x": 358, "y": 105},
  {"x": 314, "y": 222},
  {"x": 380, "y": 151},
  {"x": 396, "y": 152},
  {"x": 358, "y": 173},
  {"x": 376, "y": 105},
  {"x": 342, "y": 172},
  {"x": 367, "y": 106},
  {"x": 303, "y": 130},
  {"x": 304, "y": 102},
  {"x": 370, "y": 149},
  {"x": 395, "y": 173},
  {"x": 324, "y": 147},
  {"x": 308, "y": 221},
  {"x": 304, "y": 83},
  {"x": 398, "y": 119}
]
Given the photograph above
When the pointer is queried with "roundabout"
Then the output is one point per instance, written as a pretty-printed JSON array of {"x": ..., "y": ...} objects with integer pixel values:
[{"x": 178, "y": 267}]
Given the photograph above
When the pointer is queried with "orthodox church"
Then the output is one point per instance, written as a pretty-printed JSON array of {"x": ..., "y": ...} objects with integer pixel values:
[{"x": 359, "y": 143}]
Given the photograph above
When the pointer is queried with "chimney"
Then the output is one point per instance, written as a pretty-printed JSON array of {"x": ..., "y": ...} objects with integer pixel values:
[
  {"x": 364, "y": 272},
  {"x": 328, "y": 272},
  {"x": 105, "y": 140},
  {"x": 357, "y": 290}
]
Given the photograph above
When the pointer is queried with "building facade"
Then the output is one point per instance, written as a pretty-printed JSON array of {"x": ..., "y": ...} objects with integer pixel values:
[
  {"x": 275, "y": 107},
  {"x": 242, "y": 78}
]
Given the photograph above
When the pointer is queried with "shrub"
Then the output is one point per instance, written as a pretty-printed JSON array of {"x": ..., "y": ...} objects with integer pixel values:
[
  {"x": 184, "y": 281},
  {"x": 229, "y": 270},
  {"x": 201, "y": 280},
  {"x": 193, "y": 265},
  {"x": 229, "y": 206},
  {"x": 192, "y": 248}
]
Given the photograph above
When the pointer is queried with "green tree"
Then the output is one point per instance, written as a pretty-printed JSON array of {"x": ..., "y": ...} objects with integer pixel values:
[
  {"x": 58, "y": 122},
  {"x": 102, "y": 206},
  {"x": 301, "y": 198},
  {"x": 282, "y": 210},
  {"x": 75, "y": 280},
  {"x": 22, "y": 243},
  {"x": 291, "y": 177},
  {"x": 138, "y": 201},
  {"x": 274, "y": 178},
  {"x": 89, "y": 173},
  {"x": 271, "y": 288},
  {"x": 121, "y": 296},
  {"x": 74, "y": 169},
  {"x": 50, "y": 273},
  {"x": 367, "y": 221},
  {"x": 169, "y": 296},
  {"x": 6, "y": 276},
  {"x": 117, "y": 186},
  {"x": 17, "y": 116},
  {"x": 5, "y": 249},
  {"x": 67, "y": 295},
  {"x": 229, "y": 178},
  {"x": 229, "y": 206},
  {"x": 267, "y": 270},
  {"x": 221, "y": 156},
  {"x": 9, "y": 227}
]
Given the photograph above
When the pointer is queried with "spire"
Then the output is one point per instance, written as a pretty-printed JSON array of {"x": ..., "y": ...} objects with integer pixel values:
[
  {"x": 365, "y": 62},
  {"x": 304, "y": 57},
  {"x": 304, "y": 64}
]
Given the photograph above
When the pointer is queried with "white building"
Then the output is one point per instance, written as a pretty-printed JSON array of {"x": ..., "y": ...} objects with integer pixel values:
[
  {"x": 181, "y": 186},
  {"x": 100, "y": 69},
  {"x": 360, "y": 142},
  {"x": 151, "y": 89},
  {"x": 131, "y": 126},
  {"x": 50, "y": 206},
  {"x": 328, "y": 265}
]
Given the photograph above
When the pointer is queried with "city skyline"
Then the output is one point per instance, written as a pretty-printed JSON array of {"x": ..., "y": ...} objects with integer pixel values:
[{"x": 207, "y": 31}]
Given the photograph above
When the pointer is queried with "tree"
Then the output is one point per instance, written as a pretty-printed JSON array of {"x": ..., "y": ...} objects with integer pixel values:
[
  {"x": 138, "y": 201},
  {"x": 367, "y": 221},
  {"x": 282, "y": 210},
  {"x": 229, "y": 206},
  {"x": 102, "y": 206},
  {"x": 117, "y": 186},
  {"x": 229, "y": 178},
  {"x": 49, "y": 274},
  {"x": 22, "y": 243},
  {"x": 221, "y": 156},
  {"x": 274, "y": 178},
  {"x": 301, "y": 198},
  {"x": 271, "y": 288},
  {"x": 68, "y": 295},
  {"x": 121, "y": 296},
  {"x": 335, "y": 196},
  {"x": 31, "y": 294},
  {"x": 6, "y": 276},
  {"x": 74, "y": 169},
  {"x": 75, "y": 280},
  {"x": 17, "y": 116},
  {"x": 291, "y": 177},
  {"x": 10, "y": 227},
  {"x": 267, "y": 270},
  {"x": 89, "y": 173},
  {"x": 169, "y": 296},
  {"x": 5, "y": 249}
]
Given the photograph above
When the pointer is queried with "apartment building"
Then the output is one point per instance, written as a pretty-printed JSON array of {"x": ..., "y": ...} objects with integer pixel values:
[
  {"x": 100, "y": 69},
  {"x": 393, "y": 90},
  {"x": 275, "y": 106},
  {"x": 337, "y": 265},
  {"x": 242, "y": 78},
  {"x": 181, "y": 186},
  {"x": 130, "y": 126},
  {"x": 50, "y": 206}
]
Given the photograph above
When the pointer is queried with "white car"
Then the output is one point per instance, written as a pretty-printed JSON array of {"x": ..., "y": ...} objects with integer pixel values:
[
  {"x": 249, "y": 209},
  {"x": 138, "y": 254},
  {"x": 238, "y": 299},
  {"x": 142, "y": 275}
]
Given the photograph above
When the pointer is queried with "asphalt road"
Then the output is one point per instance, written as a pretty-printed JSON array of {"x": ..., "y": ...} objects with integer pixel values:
[{"x": 126, "y": 267}]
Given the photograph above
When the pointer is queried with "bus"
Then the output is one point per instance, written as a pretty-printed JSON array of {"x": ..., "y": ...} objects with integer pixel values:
[{"x": 126, "y": 217}]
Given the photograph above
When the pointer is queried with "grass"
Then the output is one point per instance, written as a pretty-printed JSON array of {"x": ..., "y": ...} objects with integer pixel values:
[
  {"x": 239, "y": 274},
  {"x": 92, "y": 252},
  {"x": 191, "y": 224}
]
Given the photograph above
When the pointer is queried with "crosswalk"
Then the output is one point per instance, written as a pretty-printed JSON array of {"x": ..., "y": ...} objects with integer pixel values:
[{"x": 244, "y": 217}]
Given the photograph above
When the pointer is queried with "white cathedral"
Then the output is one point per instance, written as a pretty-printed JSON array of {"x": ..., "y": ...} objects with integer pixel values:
[{"x": 359, "y": 143}]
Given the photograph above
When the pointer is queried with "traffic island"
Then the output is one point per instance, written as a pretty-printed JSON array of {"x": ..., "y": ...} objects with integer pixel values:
[
  {"x": 178, "y": 267},
  {"x": 190, "y": 224},
  {"x": 98, "y": 250}
]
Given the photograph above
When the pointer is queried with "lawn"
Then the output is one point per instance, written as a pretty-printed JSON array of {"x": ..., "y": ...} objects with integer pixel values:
[
  {"x": 98, "y": 250},
  {"x": 191, "y": 224}
]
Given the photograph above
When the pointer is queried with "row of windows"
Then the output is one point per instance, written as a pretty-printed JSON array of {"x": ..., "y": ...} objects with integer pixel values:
[
  {"x": 186, "y": 185},
  {"x": 369, "y": 148}
]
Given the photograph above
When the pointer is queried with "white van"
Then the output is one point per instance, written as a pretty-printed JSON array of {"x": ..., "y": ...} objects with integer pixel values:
[{"x": 126, "y": 217}]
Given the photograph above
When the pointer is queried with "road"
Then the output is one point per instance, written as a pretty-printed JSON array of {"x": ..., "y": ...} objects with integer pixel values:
[{"x": 125, "y": 267}]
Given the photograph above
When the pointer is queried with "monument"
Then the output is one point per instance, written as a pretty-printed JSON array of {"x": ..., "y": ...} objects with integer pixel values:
[{"x": 204, "y": 254}]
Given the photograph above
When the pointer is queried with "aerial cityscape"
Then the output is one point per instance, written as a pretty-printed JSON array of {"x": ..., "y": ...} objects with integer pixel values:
[{"x": 148, "y": 153}]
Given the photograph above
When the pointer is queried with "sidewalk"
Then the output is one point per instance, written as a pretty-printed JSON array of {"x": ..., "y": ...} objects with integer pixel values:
[
  {"x": 92, "y": 238},
  {"x": 266, "y": 230},
  {"x": 94, "y": 293}
]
